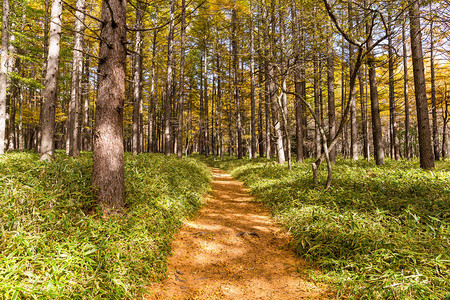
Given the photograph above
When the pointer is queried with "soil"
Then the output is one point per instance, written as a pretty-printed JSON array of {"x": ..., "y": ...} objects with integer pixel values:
[{"x": 234, "y": 250}]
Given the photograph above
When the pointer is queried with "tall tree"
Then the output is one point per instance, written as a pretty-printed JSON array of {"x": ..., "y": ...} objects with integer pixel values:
[
  {"x": 425, "y": 148},
  {"x": 51, "y": 84},
  {"x": 137, "y": 81},
  {"x": 374, "y": 104},
  {"x": 253, "y": 151},
  {"x": 108, "y": 161},
  {"x": 169, "y": 85},
  {"x": 406, "y": 91},
  {"x": 437, "y": 153},
  {"x": 395, "y": 148},
  {"x": 74, "y": 126},
  {"x": 3, "y": 75},
  {"x": 181, "y": 90}
]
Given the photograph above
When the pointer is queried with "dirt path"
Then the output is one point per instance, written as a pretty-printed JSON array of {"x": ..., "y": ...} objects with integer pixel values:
[{"x": 234, "y": 250}]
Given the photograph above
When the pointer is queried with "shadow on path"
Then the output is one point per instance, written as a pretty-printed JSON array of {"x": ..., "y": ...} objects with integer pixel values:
[{"x": 234, "y": 250}]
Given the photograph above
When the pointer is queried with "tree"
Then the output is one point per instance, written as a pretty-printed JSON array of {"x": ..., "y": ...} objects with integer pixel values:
[
  {"x": 425, "y": 148},
  {"x": 169, "y": 86},
  {"x": 51, "y": 84},
  {"x": 137, "y": 81},
  {"x": 74, "y": 126},
  {"x": 3, "y": 75},
  {"x": 181, "y": 91},
  {"x": 108, "y": 162}
]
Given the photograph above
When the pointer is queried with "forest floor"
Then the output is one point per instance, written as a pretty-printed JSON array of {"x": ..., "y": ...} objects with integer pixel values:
[{"x": 234, "y": 250}]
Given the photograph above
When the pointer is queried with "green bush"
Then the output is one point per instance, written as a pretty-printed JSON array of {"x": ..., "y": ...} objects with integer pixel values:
[
  {"x": 54, "y": 242},
  {"x": 378, "y": 233}
]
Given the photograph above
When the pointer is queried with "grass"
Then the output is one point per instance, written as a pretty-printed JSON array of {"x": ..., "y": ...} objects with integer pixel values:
[
  {"x": 54, "y": 244},
  {"x": 378, "y": 233}
]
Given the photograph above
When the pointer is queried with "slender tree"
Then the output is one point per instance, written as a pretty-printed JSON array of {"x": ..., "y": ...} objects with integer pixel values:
[
  {"x": 425, "y": 148},
  {"x": 181, "y": 90},
  {"x": 74, "y": 126},
  {"x": 137, "y": 81},
  {"x": 3, "y": 75},
  {"x": 51, "y": 84}
]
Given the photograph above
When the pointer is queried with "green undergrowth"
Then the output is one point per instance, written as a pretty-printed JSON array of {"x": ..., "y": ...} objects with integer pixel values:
[
  {"x": 378, "y": 233},
  {"x": 55, "y": 244}
]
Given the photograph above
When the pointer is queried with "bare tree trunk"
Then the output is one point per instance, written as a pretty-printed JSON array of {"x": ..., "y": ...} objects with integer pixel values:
[
  {"x": 87, "y": 138},
  {"x": 425, "y": 148},
  {"x": 137, "y": 78},
  {"x": 317, "y": 143},
  {"x": 262, "y": 152},
  {"x": 445, "y": 118},
  {"x": 181, "y": 92},
  {"x": 73, "y": 130},
  {"x": 3, "y": 75},
  {"x": 406, "y": 92},
  {"x": 331, "y": 100},
  {"x": 374, "y": 105},
  {"x": 169, "y": 89},
  {"x": 353, "y": 127},
  {"x": 392, "y": 107},
  {"x": 205, "y": 99},
  {"x": 235, "y": 84},
  {"x": 437, "y": 153},
  {"x": 108, "y": 161},
  {"x": 51, "y": 84},
  {"x": 364, "y": 119},
  {"x": 152, "y": 140},
  {"x": 253, "y": 152}
]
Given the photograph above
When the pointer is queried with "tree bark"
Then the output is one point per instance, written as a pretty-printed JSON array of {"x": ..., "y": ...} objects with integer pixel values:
[
  {"x": 437, "y": 153},
  {"x": 169, "y": 86},
  {"x": 181, "y": 91},
  {"x": 353, "y": 127},
  {"x": 74, "y": 126},
  {"x": 392, "y": 107},
  {"x": 137, "y": 79},
  {"x": 108, "y": 160},
  {"x": 234, "y": 43},
  {"x": 253, "y": 152},
  {"x": 51, "y": 84},
  {"x": 331, "y": 99},
  {"x": 374, "y": 105},
  {"x": 3, "y": 75},
  {"x": 425, "y": 148},
  {"x": 406, "y": 92}
]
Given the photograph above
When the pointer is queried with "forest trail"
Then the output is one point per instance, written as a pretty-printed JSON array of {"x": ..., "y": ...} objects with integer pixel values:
[{"x": 234, "y": 250}]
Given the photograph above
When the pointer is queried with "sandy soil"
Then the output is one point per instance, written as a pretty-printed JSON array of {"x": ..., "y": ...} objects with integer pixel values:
[{"x": 234, "y": 250}]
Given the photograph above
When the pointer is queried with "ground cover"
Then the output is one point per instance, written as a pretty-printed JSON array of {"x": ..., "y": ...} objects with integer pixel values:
[
  {"x": 54, "y": 242},
  {"x": 378, "y": 233}
]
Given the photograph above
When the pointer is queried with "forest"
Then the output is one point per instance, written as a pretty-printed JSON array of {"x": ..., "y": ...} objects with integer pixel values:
[{"x": 114, "y": 115}]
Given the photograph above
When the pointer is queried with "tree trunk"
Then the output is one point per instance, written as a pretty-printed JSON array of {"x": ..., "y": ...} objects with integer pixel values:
[
  {"x": 331, "y": 100},
  {"x": 108, "y": 161},
  {"x": 395, "y": 150},
  {"x": 425, "y": 148},
  {"x": 152, "y": 140},
  {"x": 235, "y": 84},
  {"x": 353, "y": 127},
  {"x": 51, "y": 84},
  {"x": 181, "y": 92},
  {"x": 3, "y": 75},
  {"x": 169, "y": 86},
  {"x": 137, "y": 78},
  {"x": 406, "y": 92},
  {"x": 364, "y": 119},
  {"x": 253, "y": 152},
  {"x": 73, "y": 146},
  {"x": 437, "y": 153},
  {"x": 374, "y": 105},
  {"x": 317, "y": 143}
]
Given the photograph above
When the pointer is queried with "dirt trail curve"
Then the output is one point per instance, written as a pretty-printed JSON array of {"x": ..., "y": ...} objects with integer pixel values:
[{"x": 234, "y": 250}]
